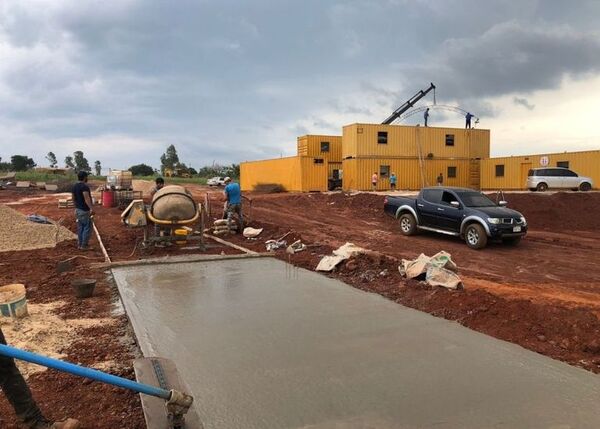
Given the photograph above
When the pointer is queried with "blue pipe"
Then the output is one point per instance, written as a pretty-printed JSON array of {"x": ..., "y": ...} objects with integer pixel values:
[{"x": 82, "y": 371}]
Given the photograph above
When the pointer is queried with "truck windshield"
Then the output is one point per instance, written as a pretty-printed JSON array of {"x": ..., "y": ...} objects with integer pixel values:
[{"x": 475, "y": 199}]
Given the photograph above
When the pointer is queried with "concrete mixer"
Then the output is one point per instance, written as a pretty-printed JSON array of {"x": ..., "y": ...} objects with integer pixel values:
[{"x": 172, "y": 217}]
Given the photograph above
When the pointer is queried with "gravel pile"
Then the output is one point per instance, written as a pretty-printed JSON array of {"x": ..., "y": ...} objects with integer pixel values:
[{"x": 17, "y": 233}]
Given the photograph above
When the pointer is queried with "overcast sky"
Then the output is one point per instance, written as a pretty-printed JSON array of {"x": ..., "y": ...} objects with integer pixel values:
[{"x": 229, "y": 81}]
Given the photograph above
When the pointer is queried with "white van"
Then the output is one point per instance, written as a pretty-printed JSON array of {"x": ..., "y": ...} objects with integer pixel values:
[{"x": 542, "y": 179}]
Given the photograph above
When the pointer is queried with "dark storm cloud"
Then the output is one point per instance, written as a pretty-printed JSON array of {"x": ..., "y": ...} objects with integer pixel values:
[
  {"x": 523, "y": 102},
  {"x": 232, "y": 80}
]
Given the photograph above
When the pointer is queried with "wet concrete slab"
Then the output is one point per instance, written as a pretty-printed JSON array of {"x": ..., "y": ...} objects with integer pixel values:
[{"x": 262, "y": 344}]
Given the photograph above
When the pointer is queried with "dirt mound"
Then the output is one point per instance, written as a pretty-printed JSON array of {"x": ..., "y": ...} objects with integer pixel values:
[
  {"x": 560, "y": 211},
  {"x": 17, "y": 233}
]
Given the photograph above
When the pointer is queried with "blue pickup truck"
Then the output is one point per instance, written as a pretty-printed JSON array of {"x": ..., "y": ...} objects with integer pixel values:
[{"x": 461, "y": 212}]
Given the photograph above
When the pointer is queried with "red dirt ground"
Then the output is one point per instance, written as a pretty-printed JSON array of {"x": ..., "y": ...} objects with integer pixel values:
[{"x": 543, "y": 294}]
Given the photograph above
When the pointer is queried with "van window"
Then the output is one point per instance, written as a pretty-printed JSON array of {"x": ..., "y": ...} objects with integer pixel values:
[
  {"x": 569, "y": 173},
  {"x": 432, "y": 195}
]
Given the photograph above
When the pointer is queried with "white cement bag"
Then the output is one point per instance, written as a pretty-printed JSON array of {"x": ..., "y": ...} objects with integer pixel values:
[{"x": 437, "y": 276}]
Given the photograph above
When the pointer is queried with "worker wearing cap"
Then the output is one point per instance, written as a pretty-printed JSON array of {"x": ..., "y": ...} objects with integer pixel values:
[
  {"x": 159, "y": 184},
  {"x": 18, "y": 394},
  {"x": 82, "y": 200},
  {"x": 233, "y": 194}
]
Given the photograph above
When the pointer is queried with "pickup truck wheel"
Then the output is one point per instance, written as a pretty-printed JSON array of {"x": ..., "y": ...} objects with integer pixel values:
[
  {"x": 585, "y": 187},
  {"x": 475, "y": 236},
  {"x": 512, "y": 241},
  {"x": 408, "y": 224},
  {"x": 542, "y": 187}
]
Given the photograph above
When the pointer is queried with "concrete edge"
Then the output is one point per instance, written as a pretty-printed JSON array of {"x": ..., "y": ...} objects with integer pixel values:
[{"x": 179, "y": 259}]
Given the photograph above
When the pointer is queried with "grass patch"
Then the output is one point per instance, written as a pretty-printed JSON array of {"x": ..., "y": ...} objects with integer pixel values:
[{"x": 33, "y": 176}]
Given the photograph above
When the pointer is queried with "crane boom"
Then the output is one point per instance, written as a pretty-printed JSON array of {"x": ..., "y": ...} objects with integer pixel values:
[{"x": 407, "y": 105}]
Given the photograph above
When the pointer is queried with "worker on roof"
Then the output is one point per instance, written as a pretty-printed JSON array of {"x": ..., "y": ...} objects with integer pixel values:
[
  {"x": 18, "y": 394},
  {"x": 233, "y": 205},
  {"x": 468, "y": 117},
  {"x": 426, "y": 115},
  {"x": 82, "y": 200},
  {"x": 159, "y": 184}
]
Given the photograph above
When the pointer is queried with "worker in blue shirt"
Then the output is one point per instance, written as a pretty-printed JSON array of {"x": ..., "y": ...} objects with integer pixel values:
[
  {"x": 468, "y": 117},
  {"x": 233, "y": 194},
  {"x": 426, "y": 115}
]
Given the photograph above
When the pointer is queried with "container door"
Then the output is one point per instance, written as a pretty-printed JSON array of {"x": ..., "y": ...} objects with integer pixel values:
[{"x": 525, "y": 167}]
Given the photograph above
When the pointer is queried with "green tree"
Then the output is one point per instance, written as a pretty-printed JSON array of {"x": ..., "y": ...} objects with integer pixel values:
[
  {"x": 69, "y": 162},
  {"x": 21, "y": 162},
  {"x": 169, "y": 159},
  {"x": 141, "y": 170},
  {"x": 52, "y": 159},
  {"x": 5, "y": 166},
  {"x": 81, "y": 164},
  {"x": 98, "y": 168}
]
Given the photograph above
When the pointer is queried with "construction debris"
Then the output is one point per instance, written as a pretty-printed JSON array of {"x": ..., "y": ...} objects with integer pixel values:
[
  {"x": 438, "y": 270},
  {"x": 252, "y": 232},
  {"x": 65, "y": 203},
  {"x": 273, "y": 245},
  {"x": 23, "y": 184},
  {"x": 328, "y": 263},
  {"x": 295, "y": 247},
  {"x": 51, "y": 187}
]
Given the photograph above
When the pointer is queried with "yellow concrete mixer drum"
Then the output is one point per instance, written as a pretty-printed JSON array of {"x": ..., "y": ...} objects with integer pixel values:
[{"x": 173, "y": 205}]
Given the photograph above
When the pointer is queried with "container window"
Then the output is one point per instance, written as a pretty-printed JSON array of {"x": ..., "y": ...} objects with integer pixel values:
[
  {"x": 563, "y": 164},
  {"x": 318, "y": 160},
  {"x": 499, "y": 170},
  {"x": 449, "y": 139},
  {"x": 382, "y": 137},
  {"x": 324, "y": 146},
  {"x": 336, "y": 174},
  {"x": 384, "y": 171},
  {"x": 451, "y": 172}
]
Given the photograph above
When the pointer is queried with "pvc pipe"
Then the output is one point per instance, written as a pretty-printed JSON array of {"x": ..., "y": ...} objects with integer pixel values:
[{"x": 85, "y": 372}]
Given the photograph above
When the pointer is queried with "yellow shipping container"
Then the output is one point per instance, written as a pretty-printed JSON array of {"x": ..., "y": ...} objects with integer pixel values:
[
  {"x": 511, "y": 172},
  {"x": 357, "y": 172},
  {"x": 300, "y": 174},
  {"x": 321, "y": 146},
  {"x": 279, "y": 171},
  {"x": 373, "y": 140}
]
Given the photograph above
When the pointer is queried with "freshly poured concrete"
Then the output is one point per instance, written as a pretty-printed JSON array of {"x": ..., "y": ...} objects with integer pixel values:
[{"x": 265, "y": 345}]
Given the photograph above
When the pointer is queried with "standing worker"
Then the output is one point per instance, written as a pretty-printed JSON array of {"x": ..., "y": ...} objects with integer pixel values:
[
  {"x": 468, "y": 117},
  {"x": 159, "y": 184},
  {"x": 233, "y": 194},
  {"x": 440, "y": 179},
  {"x": 426, "y": 115},
  {"x": 374, "y": 179},
  {"x": 18, "y": 394},
  {"x": 82, "y": 199},
  {"x": 393, "y": 180}
]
